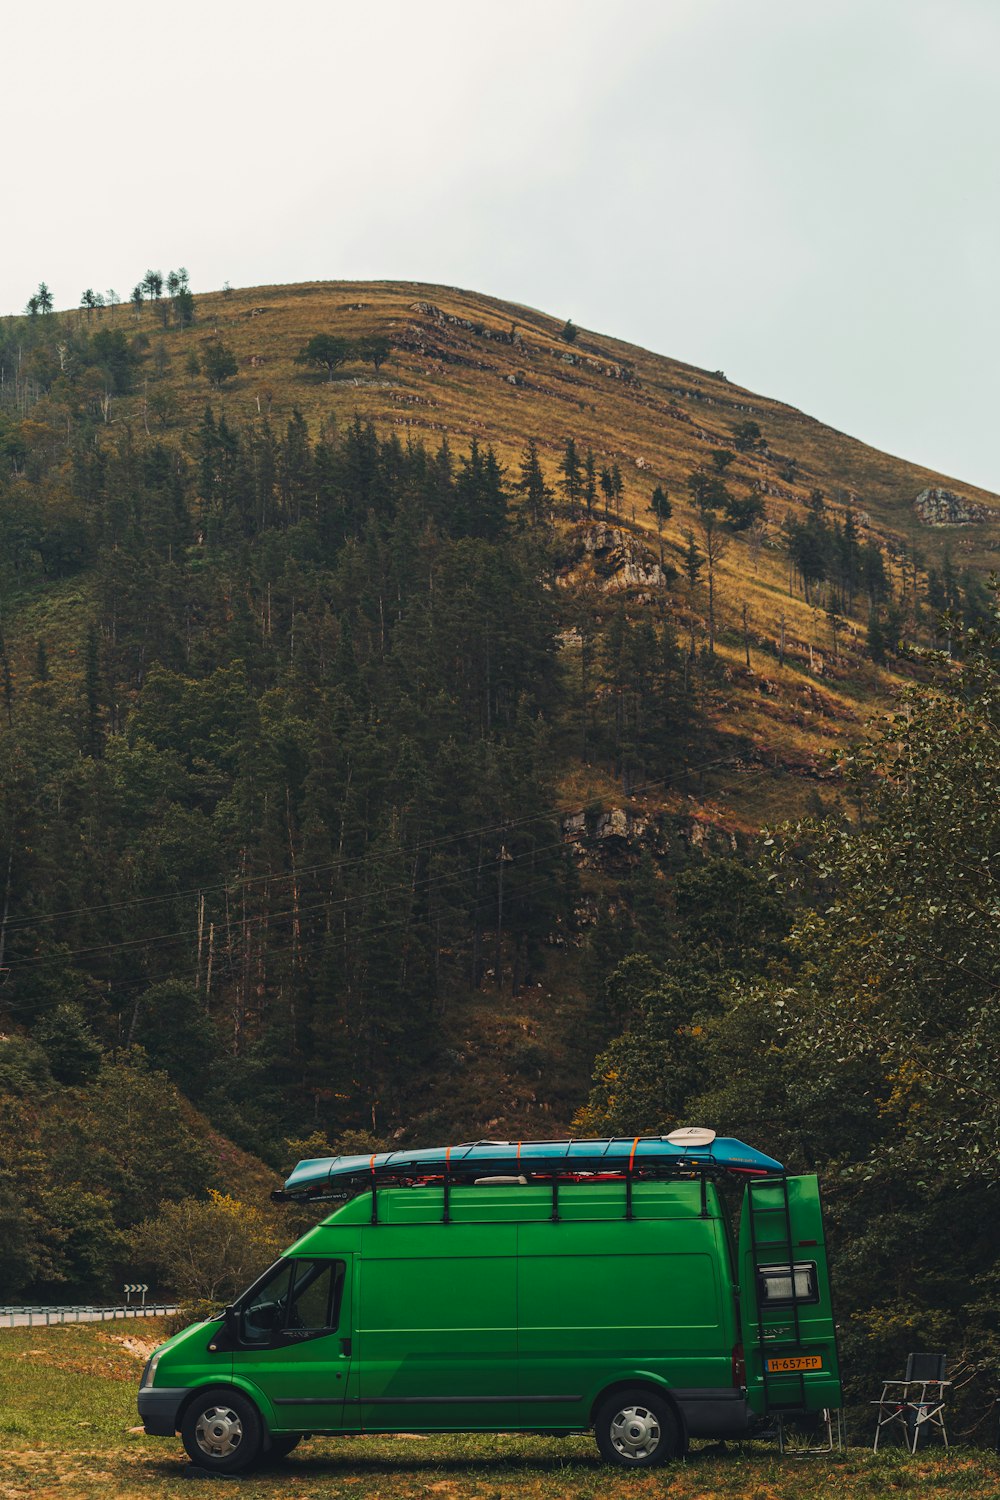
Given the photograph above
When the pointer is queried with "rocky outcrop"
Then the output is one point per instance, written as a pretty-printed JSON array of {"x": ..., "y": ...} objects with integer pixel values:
[
  {"x": 620, "y": 560},
  {"x": 614, "y": 838},
  {"x": 940, "y": 507},
  {"x": 611, "y": 839}
]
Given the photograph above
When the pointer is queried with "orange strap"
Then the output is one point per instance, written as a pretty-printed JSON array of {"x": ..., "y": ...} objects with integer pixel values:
[
  {"x": 371, "y": 1164},
  {"x": 519, "y": 1151},
  {"x": 632, "y": 1153}
]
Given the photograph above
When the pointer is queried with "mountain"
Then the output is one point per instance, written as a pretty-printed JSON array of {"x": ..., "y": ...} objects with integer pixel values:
[
  {"x": 360, "y": 717},
  {"x": 470, "y": 368}
]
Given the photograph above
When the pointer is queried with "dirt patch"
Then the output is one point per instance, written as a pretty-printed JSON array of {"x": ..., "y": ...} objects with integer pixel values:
[{"x": 141, "y": 1348}]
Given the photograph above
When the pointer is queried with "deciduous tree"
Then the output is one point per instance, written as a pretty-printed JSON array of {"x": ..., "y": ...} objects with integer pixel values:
[
  {"x": 326, "y": 350},
  {"x": 218, "y": 362}
]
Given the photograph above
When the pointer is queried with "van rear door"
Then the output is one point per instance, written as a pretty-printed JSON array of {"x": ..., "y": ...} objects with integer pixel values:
[{"x": 789, "y": 1334}]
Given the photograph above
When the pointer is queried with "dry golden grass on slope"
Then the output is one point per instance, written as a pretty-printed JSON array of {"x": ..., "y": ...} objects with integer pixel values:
[
  {"x": 454, "y": 372},
  {"x": 444, "y": 377}
]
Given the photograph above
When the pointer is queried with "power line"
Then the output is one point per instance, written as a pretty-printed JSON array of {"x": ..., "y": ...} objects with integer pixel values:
[
  {"x": 258, "y": 919},
  {"x": 331, "y": 907},
  {"x": 20, "y": 924},
  {"x": 405, "y": 918}
]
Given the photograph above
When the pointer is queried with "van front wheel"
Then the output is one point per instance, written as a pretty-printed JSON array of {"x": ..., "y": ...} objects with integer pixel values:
[
  {"x": 222, "y": 1431},
  {"x": 637, "y": 1429}
]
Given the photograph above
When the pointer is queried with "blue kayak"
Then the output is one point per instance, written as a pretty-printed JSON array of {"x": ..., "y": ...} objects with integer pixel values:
[{"x": 681, "y": 1152}]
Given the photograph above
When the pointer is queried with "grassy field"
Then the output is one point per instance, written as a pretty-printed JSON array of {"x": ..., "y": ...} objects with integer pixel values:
[{"x": 68, "y": 1428}]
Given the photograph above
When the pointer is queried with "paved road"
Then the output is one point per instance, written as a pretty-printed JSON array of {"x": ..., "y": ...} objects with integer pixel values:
[{"x": 41, "y": 1317}]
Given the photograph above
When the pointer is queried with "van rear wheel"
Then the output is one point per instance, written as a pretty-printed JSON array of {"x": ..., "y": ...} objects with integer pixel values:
[
  {"x": 222, "y": 1431},
  {"x": 637, "y": 1429}
]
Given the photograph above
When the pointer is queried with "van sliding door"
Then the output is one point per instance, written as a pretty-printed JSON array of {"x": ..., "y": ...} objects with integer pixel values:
[
  {"x": 603, "y": 1302},
  {"x": 436, "y": 1345}
]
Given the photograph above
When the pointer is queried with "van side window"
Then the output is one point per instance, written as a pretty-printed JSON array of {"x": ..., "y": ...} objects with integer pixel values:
[
  {"x": 298, "y": 1298},
  {"x": 316, "y": 1294}
]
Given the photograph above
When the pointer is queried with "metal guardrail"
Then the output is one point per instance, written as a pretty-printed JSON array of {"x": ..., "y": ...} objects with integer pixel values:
[{"x": 44, "y": 1317}]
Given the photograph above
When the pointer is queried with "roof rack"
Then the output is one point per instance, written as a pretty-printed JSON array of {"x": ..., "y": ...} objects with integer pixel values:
[{"x": 690, "y": 1152}]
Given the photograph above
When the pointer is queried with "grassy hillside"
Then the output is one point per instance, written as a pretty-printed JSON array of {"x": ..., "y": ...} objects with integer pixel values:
[
  {"x": 454, "y": 370},
  {"x": 469, "y": 367}
]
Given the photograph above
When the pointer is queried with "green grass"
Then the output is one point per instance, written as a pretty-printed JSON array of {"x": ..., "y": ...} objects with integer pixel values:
[{"x": 67, "y": 1407}]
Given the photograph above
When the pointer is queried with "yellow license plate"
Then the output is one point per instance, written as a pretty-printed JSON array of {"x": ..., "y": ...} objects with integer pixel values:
[{"x": 779, "y": 1364}]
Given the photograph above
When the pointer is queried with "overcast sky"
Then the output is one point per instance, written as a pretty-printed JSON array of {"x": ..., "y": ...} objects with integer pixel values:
[{"x": 803, "y": 193}]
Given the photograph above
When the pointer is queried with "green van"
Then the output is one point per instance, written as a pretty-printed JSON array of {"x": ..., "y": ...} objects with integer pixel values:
[{"x": 557, "y": 1299}]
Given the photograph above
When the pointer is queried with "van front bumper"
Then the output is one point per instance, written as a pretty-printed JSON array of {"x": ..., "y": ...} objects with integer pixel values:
[{"x": 158, "y": 1408}]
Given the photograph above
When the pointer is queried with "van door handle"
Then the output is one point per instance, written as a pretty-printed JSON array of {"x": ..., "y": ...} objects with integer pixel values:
[{"x": 345, "y": 1348}]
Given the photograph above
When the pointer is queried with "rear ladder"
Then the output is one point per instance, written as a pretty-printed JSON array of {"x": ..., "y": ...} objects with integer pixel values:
[{"x": 779, "y": 1328}]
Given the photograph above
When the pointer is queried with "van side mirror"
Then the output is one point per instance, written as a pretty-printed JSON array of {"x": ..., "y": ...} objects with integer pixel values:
[{"x": 226, "y": 1337}]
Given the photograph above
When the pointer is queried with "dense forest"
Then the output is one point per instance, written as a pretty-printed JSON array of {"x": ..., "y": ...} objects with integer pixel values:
[{"x": 302, "y": 731}]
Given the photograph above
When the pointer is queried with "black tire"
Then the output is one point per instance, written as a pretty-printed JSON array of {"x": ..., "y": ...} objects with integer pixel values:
[
  {"x": 282, "y": 1443},
  {"x": 222, "y": 1431},
  {"x": 637, "y": 1429}
]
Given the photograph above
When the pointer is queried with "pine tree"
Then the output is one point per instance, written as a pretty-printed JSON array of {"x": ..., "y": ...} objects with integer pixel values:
[
  {"x": 617, "y": 486},
  {"x": 662, "y": 509},
  {"x": 184, "y": 307},
  {"x": 590, "y": 480},
  {"x": 572, "y": 475},
  {"x": 531, "y": 484},
  {"x": 876, "y": 638}
]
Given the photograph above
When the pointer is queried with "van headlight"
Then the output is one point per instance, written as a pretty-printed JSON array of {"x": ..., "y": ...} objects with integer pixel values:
[{"x": 149, "y": 1373}]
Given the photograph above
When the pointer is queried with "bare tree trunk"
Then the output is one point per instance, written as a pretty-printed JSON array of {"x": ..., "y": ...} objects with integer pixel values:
[
  {"x": 6, "y": 900},
  {"x": 201, "y": 930},
  {"x": 211, "y": 955}
]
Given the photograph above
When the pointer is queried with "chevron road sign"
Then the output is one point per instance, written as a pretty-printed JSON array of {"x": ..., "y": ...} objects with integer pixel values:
[{"x": 135, "y": 1286}]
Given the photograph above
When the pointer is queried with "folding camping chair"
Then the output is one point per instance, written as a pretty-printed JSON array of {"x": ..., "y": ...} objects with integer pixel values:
[{"x": 916, "y": 1402}]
